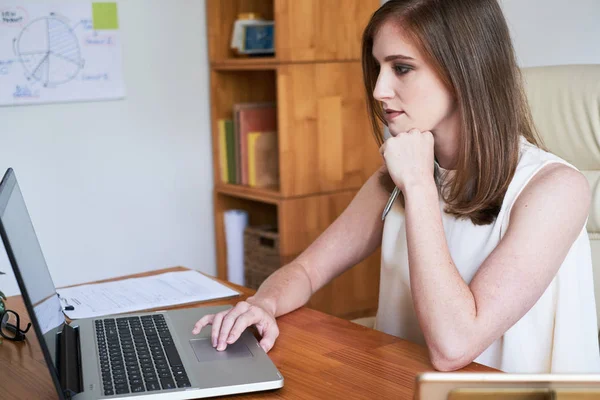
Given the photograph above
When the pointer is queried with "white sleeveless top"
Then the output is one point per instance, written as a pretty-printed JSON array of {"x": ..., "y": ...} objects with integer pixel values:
[{"x": 558, "y": 334}]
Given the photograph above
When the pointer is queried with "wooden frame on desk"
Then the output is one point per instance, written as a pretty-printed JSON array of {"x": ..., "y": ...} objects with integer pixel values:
[{"x": 320, "y": 356}]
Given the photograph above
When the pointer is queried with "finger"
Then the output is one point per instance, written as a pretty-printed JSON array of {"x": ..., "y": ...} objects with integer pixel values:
[
  {"x": 270, "y": 334},
  {"x": 228, "y": 322},
  {"x": 250, "y": 317},
  {"x": 414, "y": 131},
  {"x": 216, "y": 327},
  {"x": 202, "y": 322}
]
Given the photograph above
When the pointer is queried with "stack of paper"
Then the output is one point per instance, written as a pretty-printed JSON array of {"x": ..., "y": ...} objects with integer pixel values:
[{"x": 144, "y": 293}]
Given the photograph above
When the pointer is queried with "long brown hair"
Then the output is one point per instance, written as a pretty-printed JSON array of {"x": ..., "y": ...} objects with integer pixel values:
[{"x": 467, "y": 43}]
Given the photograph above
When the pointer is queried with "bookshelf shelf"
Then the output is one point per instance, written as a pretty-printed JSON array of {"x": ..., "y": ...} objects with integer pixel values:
[
  {"x": 323, "y": 131},
  {"x": 267, "y": 195},
  {"x": 241, "y": 64}
]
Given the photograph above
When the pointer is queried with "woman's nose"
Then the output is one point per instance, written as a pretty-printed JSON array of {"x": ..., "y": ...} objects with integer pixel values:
[{"x": 382, "y": 90}]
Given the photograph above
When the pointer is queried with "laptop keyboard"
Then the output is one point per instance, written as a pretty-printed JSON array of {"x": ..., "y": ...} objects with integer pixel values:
[{"x": 137, "y": 354}]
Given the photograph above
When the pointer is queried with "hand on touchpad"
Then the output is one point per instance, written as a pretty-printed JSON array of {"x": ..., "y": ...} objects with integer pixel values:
[{"x": 205, "y": 352}]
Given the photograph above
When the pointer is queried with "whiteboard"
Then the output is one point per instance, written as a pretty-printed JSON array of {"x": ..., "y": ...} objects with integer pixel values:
[{"x": 59, "y": 52}]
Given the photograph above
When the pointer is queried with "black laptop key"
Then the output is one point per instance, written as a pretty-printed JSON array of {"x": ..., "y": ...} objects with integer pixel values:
[
  {"x": 137, "y": 388},
  {"x": 167, "y": 383},
  {"x": 181, "y": 378},
  {"x": 118, "y": 375},
  {"x": 120, "y": 381},
  {"x": 121, "y": 389},
  {"x": 173, "y": 355},
  {"x": 184, "y": 383},
  {"x": 134, "y": 377},
  {"x": 179, "y": 373},
  {"x": 151, "y": 386}
]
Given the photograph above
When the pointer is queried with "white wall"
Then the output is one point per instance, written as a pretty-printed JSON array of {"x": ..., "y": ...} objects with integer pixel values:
[
  {"x": 118, "y": 187},
  {"x": 554, "y": 32}
]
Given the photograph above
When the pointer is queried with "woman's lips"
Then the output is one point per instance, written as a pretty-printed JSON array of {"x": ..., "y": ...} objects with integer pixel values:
[{"x": 391, "y": 114}]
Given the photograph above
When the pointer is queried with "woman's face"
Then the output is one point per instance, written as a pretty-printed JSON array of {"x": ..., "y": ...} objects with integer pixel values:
[{"x": 410, "y": 92}]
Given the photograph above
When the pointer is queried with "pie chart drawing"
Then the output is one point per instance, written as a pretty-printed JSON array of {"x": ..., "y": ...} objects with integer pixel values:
[{"x": 49, "y": 51}]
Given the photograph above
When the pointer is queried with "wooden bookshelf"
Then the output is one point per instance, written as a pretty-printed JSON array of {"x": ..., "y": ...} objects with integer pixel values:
[{"x": 326, "y": 149}]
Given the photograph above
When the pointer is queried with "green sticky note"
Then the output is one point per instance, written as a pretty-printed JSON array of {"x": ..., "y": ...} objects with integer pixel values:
[{"x": 104, "y": 16}]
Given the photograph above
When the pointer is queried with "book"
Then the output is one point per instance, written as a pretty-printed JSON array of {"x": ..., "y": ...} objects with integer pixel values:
[
  {"x": 224, "y": 172},
  {"x": 263, "y": 159},
  {"x": 251, "y": 117},
  {"x": 230, "y": 145}
]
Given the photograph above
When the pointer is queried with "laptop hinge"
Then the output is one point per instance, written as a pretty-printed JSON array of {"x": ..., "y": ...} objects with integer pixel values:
[{"x": 68, "y": 357}]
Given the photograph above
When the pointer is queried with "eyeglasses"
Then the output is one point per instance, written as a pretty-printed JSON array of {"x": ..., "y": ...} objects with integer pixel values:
[{"x": 10, "y": 327}]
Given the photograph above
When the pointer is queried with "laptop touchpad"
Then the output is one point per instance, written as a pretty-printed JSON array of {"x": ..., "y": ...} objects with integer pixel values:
[{"x": 205, "y": 352}]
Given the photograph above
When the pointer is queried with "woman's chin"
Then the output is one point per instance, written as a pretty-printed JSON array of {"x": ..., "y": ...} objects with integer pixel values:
[{"x": 395, "y": 130}]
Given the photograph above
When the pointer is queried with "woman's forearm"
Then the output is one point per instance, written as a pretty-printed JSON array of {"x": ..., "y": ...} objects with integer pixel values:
[{"x": 443, "y": 301}]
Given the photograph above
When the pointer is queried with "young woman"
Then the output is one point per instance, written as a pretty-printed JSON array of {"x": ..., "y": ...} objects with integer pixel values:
[{"x": 485, "y": 255}]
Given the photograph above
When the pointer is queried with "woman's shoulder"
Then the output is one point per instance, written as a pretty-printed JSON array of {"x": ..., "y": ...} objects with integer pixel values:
[{"x": 541, "y": 174}]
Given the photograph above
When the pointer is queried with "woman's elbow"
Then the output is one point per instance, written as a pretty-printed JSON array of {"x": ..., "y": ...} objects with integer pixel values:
[
  {"x": 445, "y": 365},
  {"x": 446, "y": 361}
]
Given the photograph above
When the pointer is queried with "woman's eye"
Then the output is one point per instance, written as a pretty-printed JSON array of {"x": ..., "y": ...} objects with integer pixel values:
[{"x": 401, "y": 69}]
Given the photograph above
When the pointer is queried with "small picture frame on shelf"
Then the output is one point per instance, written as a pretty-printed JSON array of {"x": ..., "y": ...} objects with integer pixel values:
[
  {"x": 253, "y": 35},
  {"x": 259, "y": 38}
]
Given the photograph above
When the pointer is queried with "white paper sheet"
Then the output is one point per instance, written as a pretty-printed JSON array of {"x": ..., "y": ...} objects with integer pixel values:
[{"x": 137, "y": 294}]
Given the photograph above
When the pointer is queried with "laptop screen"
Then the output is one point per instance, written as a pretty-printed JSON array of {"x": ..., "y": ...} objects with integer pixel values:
[{"x": 29, "y": 266}]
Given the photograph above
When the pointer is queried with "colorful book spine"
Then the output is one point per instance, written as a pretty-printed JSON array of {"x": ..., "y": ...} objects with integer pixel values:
[
  {"x": 231, "y": 153},
  {"x": 252, "y": 138},
  {"x": 224, "y": 171}
]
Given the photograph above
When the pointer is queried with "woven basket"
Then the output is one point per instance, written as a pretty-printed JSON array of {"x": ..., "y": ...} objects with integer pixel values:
[{"x": 261, "y": 254}]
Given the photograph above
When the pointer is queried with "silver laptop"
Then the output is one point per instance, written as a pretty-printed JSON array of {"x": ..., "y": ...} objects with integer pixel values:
[{"x": 124, "y": 356}]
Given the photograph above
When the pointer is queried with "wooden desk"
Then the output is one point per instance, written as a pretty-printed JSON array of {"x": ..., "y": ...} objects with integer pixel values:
[{"x": 320, "y": 357}]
